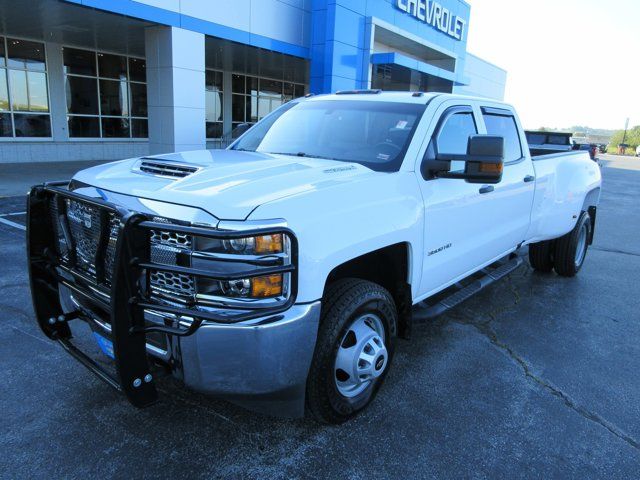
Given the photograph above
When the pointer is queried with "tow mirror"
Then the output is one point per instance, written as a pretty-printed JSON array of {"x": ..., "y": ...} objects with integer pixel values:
[{"x": 484, "y": 160}]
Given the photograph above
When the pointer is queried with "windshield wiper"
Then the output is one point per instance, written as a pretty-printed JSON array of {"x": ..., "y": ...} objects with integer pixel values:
[{"x": 303, "y": 154}]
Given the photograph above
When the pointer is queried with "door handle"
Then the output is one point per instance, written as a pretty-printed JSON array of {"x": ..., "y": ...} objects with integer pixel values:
[
  {"x": 487, "y": 189},
  {"x": 529, "y": 178}
]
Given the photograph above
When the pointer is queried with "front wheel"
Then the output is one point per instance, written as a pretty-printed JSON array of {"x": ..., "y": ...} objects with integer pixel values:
[
  {"x": 354, "y": 349},
  {"x": 571, "y": 249}
]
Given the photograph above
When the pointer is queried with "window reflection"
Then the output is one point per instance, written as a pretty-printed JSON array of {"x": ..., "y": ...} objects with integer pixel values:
[
  {"x": 24, "y": 97},
  {"x": 4, "y": 91},
  {"x": 79, "y": 62},
  {"x": 106, "y": 95},
  {"x": 114, "y": 99},
  {"x": 31, "y": 125},
  {"x": 86, "y": 127},
  {"x": 82, "y": 95},
  {"x": 115, "y": 127},
  {"x": 252, "y": 98},
  {"x": 6, "y": 128},
  {"x": 25, "y": 55},
  {"x": 112, "y": 66}
]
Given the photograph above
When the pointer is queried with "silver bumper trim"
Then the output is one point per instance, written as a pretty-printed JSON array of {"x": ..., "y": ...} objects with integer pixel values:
[{"x": 261, "y": 366}]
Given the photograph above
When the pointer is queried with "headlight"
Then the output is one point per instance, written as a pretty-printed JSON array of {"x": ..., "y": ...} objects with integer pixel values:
[
  {"x": 257, "y": 287},
  {"x": 264, "y": 244},
  {"x": 244, "y": 254},
  {"x": 238, "y": 244}
]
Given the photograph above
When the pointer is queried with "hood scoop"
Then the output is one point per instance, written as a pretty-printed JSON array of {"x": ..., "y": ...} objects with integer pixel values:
[{"x": 165, "y": 169}]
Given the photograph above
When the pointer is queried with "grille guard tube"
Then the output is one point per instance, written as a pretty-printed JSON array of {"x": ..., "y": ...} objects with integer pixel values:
[{"x": 129, "y": 296}]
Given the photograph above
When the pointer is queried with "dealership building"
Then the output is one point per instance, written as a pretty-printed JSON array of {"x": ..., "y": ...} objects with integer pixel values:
[{"x": 110, "y": 79}]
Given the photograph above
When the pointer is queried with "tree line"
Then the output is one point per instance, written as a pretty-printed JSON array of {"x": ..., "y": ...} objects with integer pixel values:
[{"x": 632, "y": 139}]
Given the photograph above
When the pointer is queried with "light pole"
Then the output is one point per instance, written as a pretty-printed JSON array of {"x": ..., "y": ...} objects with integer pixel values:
[
  {"x": 626, "y": 127},
  {"x": 622, "y": 148}
]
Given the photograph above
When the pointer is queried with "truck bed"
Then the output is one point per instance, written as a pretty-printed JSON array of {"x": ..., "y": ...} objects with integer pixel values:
[
  {"x": 556, "y": 154},
  {"x": 562, "y": 182},
  {"x": 544, "y": 150}
]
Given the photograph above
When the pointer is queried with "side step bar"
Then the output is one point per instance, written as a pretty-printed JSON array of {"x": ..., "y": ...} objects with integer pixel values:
[{"x": 423, "y": 312}]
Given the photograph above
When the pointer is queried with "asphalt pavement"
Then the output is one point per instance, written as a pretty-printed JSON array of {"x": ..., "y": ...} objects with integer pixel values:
[
  {"x": 17, "y": 178},
  {"x": 536, "y": 377}
]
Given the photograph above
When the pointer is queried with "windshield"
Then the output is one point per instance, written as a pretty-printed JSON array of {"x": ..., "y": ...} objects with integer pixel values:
[{"x": 374, "y": 134}]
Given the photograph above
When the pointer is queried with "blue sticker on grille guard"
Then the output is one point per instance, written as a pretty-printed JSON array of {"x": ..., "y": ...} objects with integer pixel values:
[{"x": 105, "y": 345}]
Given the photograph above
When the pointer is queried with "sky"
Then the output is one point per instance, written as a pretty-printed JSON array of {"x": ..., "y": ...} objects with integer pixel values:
[{"x": 568, "y": 62}]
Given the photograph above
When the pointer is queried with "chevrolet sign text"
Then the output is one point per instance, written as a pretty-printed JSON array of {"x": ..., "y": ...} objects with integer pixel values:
[{"x": 434, "y": 14}]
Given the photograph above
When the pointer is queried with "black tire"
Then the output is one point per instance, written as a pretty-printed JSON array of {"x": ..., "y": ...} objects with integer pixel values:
[
  {"x": 344, "y": 302},
  {"x": 566, "y": 261},
  {"x": 541, "y": 255}
]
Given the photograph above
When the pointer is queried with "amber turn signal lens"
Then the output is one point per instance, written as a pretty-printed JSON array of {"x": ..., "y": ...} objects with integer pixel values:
[
  {"x": 491, "y": 167},
  {"x": 267, "y": 286},
  {"x": 268, "y": 244}
]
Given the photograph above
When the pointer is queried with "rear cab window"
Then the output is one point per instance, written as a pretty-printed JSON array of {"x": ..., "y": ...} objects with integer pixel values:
[{"x": 502, "y": 123}]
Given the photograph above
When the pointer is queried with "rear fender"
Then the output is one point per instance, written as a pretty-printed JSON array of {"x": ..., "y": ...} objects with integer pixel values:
[{"x": 566, "y": 185}]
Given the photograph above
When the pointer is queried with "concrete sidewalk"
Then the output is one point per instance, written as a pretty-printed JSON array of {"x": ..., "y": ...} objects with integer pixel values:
[{"x": 17, "y": 178}]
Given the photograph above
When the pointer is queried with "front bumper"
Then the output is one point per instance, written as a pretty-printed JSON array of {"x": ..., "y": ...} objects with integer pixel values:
[{"x": 262, "y": 367}]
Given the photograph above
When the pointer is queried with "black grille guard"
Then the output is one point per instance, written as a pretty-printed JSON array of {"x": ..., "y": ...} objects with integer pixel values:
[{"x": 127, "y": 301}]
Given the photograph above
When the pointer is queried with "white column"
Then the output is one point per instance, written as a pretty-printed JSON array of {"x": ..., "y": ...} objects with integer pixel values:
[
  {"x": 227, "y": 99},
  {"x": 175, "y": 89},
  {"x": 57, "y": 95}
]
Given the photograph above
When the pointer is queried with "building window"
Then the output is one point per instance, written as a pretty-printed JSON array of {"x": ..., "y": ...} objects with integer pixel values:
[
  {"x": 106, "y": 95},
  {"x": 24, "y": 95},
  {"x": 252, "y": 98},
  {"x": 214, "y": 103}
]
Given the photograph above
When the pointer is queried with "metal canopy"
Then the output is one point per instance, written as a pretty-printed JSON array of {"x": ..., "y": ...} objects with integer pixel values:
[{"x": 60, "y": 22}]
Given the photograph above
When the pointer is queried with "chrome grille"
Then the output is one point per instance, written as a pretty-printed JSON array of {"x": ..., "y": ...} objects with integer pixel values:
[
  {"x": 179, "y": 240},
  {"x": 166, "y": 247},
  {"x": 173, "y": 283}
]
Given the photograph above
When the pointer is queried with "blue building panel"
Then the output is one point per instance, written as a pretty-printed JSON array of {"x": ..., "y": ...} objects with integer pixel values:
[
  {"x": 357, "y": 6},
  {"x": 347, "y": 26}
]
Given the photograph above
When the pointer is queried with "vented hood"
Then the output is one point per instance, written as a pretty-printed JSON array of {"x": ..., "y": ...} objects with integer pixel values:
[{"x": 228, "y": 184}]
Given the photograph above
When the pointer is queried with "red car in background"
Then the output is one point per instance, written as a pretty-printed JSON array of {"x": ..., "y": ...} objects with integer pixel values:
[{"x": 591, "y": 147}]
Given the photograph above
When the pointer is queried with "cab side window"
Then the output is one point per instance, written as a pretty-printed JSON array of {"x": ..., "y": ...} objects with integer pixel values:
[
  {"x": 454, "y": 136},
  {"x": 505, "y": 126}
]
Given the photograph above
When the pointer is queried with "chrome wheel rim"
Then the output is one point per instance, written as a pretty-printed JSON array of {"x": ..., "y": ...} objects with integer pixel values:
[
  {"x": 581, "y": 248},
  {"x": 362, "y": 356}
]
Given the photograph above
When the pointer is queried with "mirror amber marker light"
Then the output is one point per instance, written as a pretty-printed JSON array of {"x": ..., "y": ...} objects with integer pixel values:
[{"x": 491, "y": 167}]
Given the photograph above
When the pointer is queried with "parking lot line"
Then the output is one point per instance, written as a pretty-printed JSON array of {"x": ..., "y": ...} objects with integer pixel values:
[
  {"x": 12, "y": 213},
  {"x": 4, "y": 221}
]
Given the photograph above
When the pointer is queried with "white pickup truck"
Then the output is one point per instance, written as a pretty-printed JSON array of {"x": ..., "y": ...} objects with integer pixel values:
[{"x": 278, "y": 273}]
